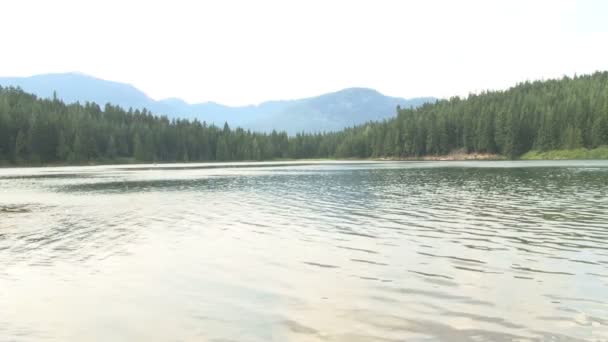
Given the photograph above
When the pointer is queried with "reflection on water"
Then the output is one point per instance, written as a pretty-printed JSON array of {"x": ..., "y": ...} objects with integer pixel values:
[{"x": 455, "y": 251}]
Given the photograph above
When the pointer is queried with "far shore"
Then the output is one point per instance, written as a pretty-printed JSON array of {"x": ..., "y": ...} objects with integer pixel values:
[
  {"x": 595, "y": 154},
  {"x": 448, "y": 157}
]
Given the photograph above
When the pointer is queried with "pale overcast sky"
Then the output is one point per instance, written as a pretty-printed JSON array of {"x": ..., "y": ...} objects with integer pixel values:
[{"x": 241, "y": 52}]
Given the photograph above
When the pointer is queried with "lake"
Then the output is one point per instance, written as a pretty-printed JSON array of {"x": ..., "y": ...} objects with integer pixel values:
[{"x": 306, "y": 251}]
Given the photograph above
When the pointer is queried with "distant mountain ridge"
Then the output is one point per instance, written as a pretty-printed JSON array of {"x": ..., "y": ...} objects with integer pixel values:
[{"x": 327, "y": 112}]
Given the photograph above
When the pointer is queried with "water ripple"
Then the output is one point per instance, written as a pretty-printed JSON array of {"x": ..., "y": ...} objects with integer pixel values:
[{"x": 344, "y": 251}]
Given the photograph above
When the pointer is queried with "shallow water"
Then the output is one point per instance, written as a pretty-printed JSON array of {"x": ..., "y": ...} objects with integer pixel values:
[{"x": 393, "y": 251}]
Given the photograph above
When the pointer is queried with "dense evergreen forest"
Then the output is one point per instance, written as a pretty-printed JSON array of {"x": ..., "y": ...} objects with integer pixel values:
[{"x": 567, "y": 113}]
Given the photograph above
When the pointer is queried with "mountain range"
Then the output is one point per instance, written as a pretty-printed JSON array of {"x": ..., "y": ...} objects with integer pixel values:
[{"x": 327, "y": 112}]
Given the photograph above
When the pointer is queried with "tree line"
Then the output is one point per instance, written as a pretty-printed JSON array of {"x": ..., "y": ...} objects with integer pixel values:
[{"x": 567, "y": 113}]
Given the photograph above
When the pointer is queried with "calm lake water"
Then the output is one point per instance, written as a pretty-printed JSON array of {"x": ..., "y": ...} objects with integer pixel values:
[{"x": 388, "y": 251}]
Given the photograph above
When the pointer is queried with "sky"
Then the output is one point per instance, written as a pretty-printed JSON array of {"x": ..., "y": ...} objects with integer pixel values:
[{"x": 240, "y": 52}]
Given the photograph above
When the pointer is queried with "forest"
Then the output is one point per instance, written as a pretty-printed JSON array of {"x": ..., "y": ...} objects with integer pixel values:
[{"x": 567, "y": 113}]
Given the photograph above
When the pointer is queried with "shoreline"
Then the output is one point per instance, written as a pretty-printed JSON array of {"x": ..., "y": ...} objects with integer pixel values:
[
  {"x": 457, "y": 157},
  {"x": 449, "y": 157},
  {"x": 600, "y": 153}
]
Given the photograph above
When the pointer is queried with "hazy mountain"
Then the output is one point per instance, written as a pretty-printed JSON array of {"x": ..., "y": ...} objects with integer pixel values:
[
  {"x": 326, "y": 112},
  {"x": 72, "y": 87},
  {"x": 335, "y": 111}
]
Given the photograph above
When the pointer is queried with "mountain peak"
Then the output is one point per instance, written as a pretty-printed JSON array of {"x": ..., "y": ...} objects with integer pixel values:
[
  {"x": 174, "y": 100},
  {"x": 359, "y": 90}
]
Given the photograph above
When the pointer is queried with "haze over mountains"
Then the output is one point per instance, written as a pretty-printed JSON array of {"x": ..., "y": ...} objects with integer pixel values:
[{"x": 327, "y": 112}]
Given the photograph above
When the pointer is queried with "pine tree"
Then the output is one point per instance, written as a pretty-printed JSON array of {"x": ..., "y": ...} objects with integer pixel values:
[
  {"x": 222, "y": 153},
  {"x": 111, "y": 150},
  {"x": 139, "y": 152},
  {"x": 79, "y": 150},
  {"x": 63, "y": 147},
  {"x": 256, "y": 154},
  {"x": 21, "y": 146}
]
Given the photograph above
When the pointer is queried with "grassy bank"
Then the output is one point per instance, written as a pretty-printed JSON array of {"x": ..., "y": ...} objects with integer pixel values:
[{"x": 579, "y": 153}]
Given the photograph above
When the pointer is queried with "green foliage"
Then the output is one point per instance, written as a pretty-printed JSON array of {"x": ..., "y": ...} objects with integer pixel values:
[
  {"x": 20, "y": 152},
  {"x": 111, "y": 149},
  {"x": 579, "y": 153},
  {"x": 570, "y": 113}
]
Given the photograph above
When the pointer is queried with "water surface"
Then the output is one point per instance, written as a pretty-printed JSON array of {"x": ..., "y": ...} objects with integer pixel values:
[{"x": 338, "y": 251}]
